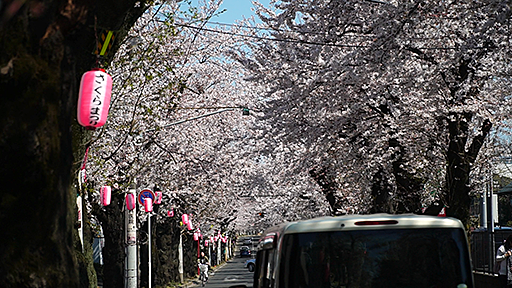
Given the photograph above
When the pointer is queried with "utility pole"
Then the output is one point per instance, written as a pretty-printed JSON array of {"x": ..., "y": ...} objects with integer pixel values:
[
  {"x": 490, "y": 220},
  {"x": 131, "y": 243},
  {"x": 219, "y": 251},
  {"x": 180, "y": 258}
]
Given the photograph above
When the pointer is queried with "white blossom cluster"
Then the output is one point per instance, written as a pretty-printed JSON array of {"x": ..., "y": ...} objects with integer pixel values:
[
  {"x": 215, "y": 167},
  {"x": 378, "y": 90},
  {"x": 368, "y": 94}
]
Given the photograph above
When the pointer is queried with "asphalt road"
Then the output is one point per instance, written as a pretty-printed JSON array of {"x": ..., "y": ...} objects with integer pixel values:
[{"x": 230, "y": 274}]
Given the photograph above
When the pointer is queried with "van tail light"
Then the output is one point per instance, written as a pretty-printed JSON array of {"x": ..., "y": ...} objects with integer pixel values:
[{"x": 376, "y": 222}]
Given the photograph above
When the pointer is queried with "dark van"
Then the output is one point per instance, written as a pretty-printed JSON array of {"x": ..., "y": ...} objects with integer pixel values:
[{"x": 365, "y": 251}]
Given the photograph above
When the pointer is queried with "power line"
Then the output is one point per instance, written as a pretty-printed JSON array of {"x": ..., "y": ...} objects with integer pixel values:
[
  {"x": 190, "y": 119},
  {"x": 271, "y": 39},
  {"x": 298, "y": 41},
  {"x": 269, "y": 29},
  {"x": 206, "y": 108},
  {"x": 306, "y": 32}
]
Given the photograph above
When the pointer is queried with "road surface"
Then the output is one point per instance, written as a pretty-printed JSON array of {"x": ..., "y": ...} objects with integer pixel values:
[{"x": 230, "y": 274}]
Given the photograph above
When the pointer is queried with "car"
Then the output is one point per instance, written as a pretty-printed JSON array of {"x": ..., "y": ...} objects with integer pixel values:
[
  {"x": 379, "y": 250},
  {"x": 245, "y": 251},
  {"x": 250, "y": 264},
  {"x": 247, "y": 241}
]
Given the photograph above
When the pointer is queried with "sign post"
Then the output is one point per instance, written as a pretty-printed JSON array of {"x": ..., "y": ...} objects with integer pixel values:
[{"x": 146, "y": 193}]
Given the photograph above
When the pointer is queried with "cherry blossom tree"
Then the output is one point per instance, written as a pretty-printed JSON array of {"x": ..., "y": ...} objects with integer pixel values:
[
  {"x": 176, "y": 121},
  {"x": 392, "y": 100},
  {"x": 46, "y": 46}
]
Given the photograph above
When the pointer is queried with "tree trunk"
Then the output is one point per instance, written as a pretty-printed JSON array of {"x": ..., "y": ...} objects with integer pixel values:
[
  {"x": 45, "y": 46},
  {"x": 459, "y": 161},
  {"x": 112, "y": 222},
  {"x": 327, "y": 183}
]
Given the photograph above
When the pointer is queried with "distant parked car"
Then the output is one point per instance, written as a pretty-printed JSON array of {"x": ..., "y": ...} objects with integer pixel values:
[
  {"x": 245, "y": 251},
  {"x": 247, "y": 241},
  {"x": 250, "y": 264}
]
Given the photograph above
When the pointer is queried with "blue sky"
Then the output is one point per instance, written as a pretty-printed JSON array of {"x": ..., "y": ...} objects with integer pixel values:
[{"x": 236, "y": 10}]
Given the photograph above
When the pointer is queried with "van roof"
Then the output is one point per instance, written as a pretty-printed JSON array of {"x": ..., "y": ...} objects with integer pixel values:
[{"x": 365, "y": 222}]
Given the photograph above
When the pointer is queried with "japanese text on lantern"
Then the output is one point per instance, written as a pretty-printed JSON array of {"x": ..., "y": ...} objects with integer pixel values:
[{"x": 96, "y": 103}]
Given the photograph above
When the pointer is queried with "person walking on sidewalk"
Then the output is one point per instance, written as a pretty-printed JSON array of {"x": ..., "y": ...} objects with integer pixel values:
[
  {"x": 504, "y": 264},
  {"x": 203, "y": 260}
]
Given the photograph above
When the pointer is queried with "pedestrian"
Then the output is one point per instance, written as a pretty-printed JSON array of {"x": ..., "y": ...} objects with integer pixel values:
[
  {"x": 214, "y": 258},
  {"x": 203, "y": 260},
  {"x": 504, "y": 263}
]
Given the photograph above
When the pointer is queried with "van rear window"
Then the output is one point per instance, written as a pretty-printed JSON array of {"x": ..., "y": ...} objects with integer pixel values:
[{"x": 376, "y": 258}]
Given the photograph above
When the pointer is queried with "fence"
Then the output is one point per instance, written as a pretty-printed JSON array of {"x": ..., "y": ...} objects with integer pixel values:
[{"x": 483, "y": 255}]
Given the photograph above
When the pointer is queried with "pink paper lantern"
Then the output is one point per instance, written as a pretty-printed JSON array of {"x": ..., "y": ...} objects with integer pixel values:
[
  {"x": 148, "y": 204},
  {"x": 130, "y": 201},
  {"x": 184, "y": 219},
  {"x": 105, "y": 193},
  {"x": 170, "y": 213},
  {"x": 189, "y": 225},
  {"x": 206, "y": 242},
  {"x": 196, "y": 237},
  {"x": 94, "y": 98},
  {"x": 158, "y": 197}
]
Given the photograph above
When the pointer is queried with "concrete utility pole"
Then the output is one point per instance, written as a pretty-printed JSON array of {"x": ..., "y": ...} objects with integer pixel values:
[
  {"x": 490, "y": 220},
  {"x": 131, "y": 244},
  {"x": 180, "y": 260},
  {"x": 219, "y": 251},
  {"x": 229, "y": 247},
  {"x": 210, "y": 254}
]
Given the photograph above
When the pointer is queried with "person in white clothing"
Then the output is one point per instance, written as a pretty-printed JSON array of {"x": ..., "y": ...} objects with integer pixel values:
[{"x": 503, "y": 260}]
